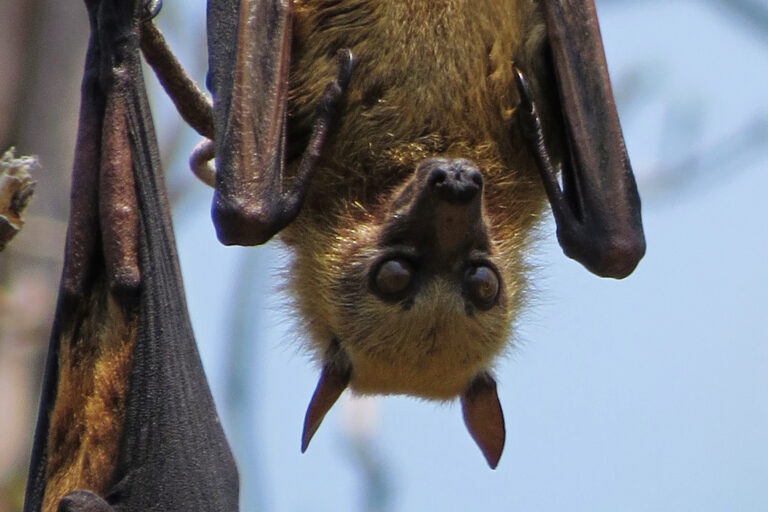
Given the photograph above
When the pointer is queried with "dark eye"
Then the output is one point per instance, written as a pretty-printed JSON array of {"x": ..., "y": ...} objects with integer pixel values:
[
  {"x": 481, "y": 285},
  {"x": 393, "y": 277}
]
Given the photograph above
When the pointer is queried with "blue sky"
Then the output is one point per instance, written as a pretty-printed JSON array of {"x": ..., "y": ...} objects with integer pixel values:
[{"x": 644, "y": 394}]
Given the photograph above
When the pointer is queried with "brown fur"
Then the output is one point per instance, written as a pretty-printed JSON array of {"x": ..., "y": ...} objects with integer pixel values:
[
  {"x": 431, "y": 78},
  {"x": 95, "y": 354}
]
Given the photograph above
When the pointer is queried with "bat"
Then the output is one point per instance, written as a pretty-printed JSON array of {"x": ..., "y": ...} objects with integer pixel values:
[
  {"x": 126, "y": 419},
  {"x": 405, "y": 152}
]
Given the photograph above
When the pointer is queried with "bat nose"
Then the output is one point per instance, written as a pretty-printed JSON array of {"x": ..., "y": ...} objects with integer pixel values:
[{"x": 455, "y": 181}]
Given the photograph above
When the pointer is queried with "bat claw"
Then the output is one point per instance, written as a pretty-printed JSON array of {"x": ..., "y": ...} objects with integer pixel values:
[
  {"x": 335, "y": 88},
  {"x": 346, "y": 63},
  {"x": 531, "y": 121},
  {"x": 151, "y": 9}
]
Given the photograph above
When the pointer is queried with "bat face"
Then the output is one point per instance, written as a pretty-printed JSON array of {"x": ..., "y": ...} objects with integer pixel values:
[{"x": 423, "y": 304}]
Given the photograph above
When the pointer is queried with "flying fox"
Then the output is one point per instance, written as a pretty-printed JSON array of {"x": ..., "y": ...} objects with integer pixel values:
[{"x": 406, "y": 152}]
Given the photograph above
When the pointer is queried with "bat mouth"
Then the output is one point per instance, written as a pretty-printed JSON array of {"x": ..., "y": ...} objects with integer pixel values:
[{"x": 597, "y": 207}]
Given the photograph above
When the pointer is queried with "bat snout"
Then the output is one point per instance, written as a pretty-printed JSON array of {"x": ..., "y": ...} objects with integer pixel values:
[{"x": 455, "y": 181}]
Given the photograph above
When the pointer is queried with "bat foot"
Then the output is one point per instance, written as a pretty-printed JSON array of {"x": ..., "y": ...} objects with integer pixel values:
[{"x": 83, "y": 501}]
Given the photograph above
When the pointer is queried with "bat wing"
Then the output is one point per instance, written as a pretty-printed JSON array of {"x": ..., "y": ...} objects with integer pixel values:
[
  {"x": 174, "y": 444},
  {"x": 172, "y": 454},
  {"x": 249, "y": 50},
  {"x": 249, "y": 45},
  {"x": 597, "y": 211}
]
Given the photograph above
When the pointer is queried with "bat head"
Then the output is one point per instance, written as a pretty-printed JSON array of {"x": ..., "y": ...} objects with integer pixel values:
[
  {"x": 417, "y": 302},
  {"x": 424, "y": 305}
]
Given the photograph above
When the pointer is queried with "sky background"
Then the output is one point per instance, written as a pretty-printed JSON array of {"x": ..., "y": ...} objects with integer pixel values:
[{"x": 649, "y": 393}]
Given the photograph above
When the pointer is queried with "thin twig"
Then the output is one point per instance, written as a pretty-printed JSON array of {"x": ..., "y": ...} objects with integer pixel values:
[{"x": 16, "y": 189}]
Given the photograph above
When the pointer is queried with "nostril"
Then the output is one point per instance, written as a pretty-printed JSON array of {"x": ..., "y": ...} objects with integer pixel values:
[
  {"x": 437, "y": 176},
  {"x": 476, "y": 177}
]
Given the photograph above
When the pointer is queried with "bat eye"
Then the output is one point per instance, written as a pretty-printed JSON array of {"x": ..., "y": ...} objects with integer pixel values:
[
  {"x": 481, "y": 286},
  {"x": 393, "y": 277}
]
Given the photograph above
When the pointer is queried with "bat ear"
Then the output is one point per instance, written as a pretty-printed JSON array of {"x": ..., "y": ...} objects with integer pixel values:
[
  {"x": 332, "y": 382},
  {"x": 484, "y": 418}
]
